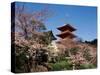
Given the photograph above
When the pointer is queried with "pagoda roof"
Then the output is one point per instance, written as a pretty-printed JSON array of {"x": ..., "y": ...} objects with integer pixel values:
[
  {"x": 66, "y": 34},
  {"x": 51, "y": 35},
  {"x": 66, "y": 27}
]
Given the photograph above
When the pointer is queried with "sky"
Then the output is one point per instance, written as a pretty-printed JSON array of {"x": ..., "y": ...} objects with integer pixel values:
[{"x": 83, "y": 18}]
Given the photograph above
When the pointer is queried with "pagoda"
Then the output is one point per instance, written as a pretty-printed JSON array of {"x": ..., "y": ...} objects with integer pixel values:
[{"x": 66, "y": 32}]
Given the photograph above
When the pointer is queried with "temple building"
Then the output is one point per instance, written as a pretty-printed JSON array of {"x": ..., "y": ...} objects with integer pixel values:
[
  {"x": 66, "y": 40},
  {"x": 66, "y": 32}
]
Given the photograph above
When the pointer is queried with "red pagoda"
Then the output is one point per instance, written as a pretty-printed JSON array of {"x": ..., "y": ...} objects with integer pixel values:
[{"x": 66, "y": 32}]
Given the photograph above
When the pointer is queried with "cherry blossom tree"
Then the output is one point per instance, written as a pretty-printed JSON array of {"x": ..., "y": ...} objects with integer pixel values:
[{"x": 29, "y": 22}]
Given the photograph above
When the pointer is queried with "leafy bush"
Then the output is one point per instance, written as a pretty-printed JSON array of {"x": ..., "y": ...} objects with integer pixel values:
[
  {"x": 61, "y": 58},
  {"x": 62, "y": 65},
  {"x": 86, "y": 66},
  {"x": 24, "y": 61},
  {"x": 21, "y": 59}
]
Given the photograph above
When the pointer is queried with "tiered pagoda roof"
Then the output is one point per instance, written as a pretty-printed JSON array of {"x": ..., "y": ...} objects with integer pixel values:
[
  {"x": 64, "y": 35},
  {"x": 66, "y": 27},
  {"x": 66, "y": 31}
]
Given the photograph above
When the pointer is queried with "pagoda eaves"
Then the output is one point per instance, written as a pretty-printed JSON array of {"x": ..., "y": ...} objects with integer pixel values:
[
  {"x": 64, "y": 35},
  {"x": 66, "y": 27}
]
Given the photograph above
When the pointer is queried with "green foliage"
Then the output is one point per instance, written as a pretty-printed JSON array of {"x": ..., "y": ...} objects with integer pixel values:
[
  {"x": 21, "y": 59},
  {"x": 20, "y": 62},
  {"x": 86, "y": 66},
  {"x": 61, "y": 58},
  {"x": 62, "y": 65},
  {"x": 24, "y": 60},
  {"x": 74, "y": 51}
]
